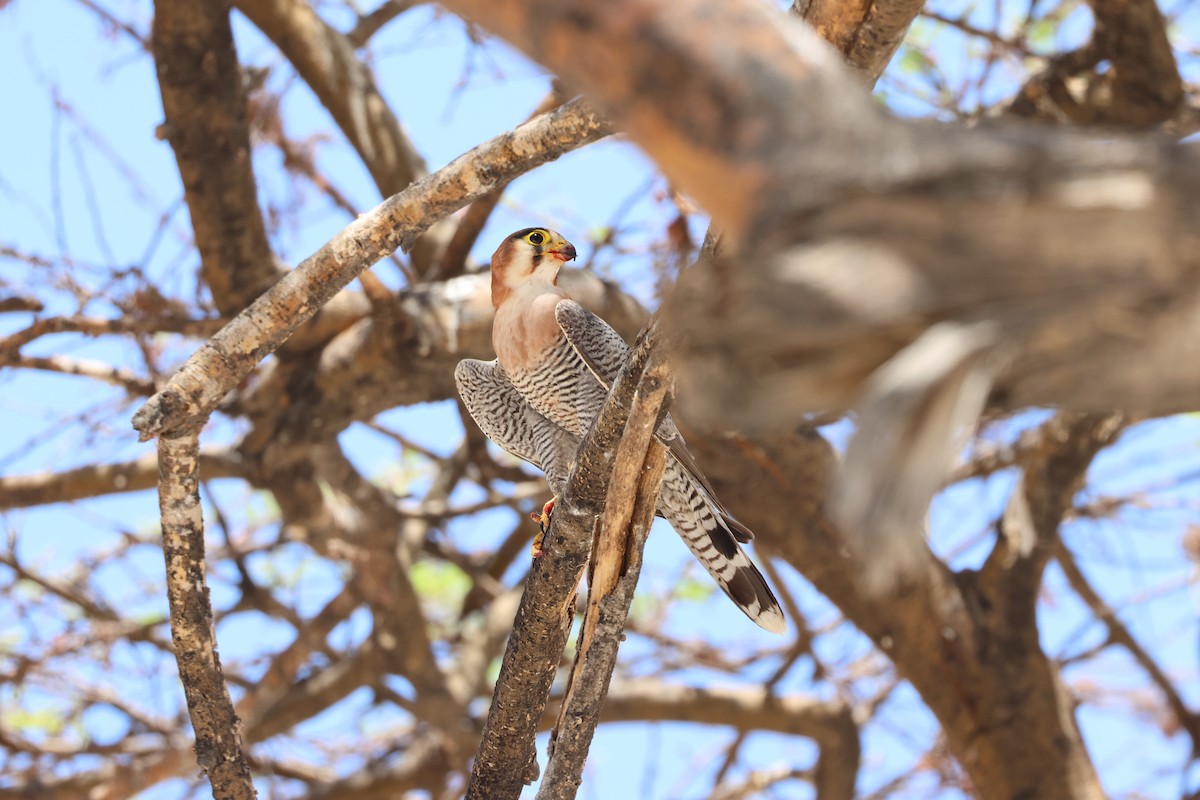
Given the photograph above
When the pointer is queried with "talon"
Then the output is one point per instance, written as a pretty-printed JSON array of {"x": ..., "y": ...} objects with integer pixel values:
[{"x": 543, "y": 521}]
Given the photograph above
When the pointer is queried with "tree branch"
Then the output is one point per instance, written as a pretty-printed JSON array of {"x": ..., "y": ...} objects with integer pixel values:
[
  {"x": 1138, "y": 86},
  {"x": 370, "y": 24},
  {"x": 1119, "y": 634},
  {"x": 218, "y": 747},
  {"x": 866, "y": 32},
  {"x": 974, "y": 658},
  {"x": 42, "y": 488},
  {"x": 328, "y": 63},
  {"x": 613, "y": 571},
  {"x": 206, "y": 125},
  {"x": 830, "y": 723},
  {"x": 507, "y": 755},
  {"x": 86, "y": 368},
  {"x": 194, "y": 391}
]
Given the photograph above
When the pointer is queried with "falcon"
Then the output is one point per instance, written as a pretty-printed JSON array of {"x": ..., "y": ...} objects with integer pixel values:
[{"x": 555, "y": 363}]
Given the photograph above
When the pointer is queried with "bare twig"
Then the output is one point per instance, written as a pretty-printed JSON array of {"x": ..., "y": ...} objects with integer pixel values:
[
  {"x": 1119, "y": 634},
  {"x": 24, "y": 491},
  {"x": 87, "y": 368},
  {"x": 369, "y": 24}
]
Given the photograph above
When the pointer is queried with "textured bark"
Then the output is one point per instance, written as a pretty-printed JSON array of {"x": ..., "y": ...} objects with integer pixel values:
[
  {"x": 205, "y": 111},
  {"x": 507, "y": 757},
  {"x": 218, "y": 745},
  {"x": 866, "y": 33},
  {"x": 613, "y": 570}
]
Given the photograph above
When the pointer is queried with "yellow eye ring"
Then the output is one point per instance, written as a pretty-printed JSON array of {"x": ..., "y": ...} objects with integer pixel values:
[{"x": 536, "y": 237}]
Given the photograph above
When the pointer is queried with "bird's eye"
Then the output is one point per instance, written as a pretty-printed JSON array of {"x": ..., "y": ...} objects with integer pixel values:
[{"x": 537, "y": 237}]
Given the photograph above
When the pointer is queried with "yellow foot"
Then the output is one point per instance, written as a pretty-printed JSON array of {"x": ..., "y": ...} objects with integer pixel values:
[{"x": 543, "y": 521}]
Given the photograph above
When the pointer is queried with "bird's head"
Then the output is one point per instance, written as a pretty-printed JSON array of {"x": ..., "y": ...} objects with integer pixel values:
[{"x": 531, "y": 256}]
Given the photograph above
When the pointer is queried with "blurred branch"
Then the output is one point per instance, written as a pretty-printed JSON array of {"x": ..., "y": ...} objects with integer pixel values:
[
  {"x": 86, "y": 368},
  {"x": 974, "y": 658},
  {"x": 1119, "y": 634},
  {"x": 369, "y": 24},
  {"x": 194, "y": 391},
  {"x": 24, "y": 491},
  {"x": 218, "y": 746},
  {"x": 205, "y": 110},
  {"x": 12, "y": 303},
  {"x": 1138, "y": 86},
  {"x": 1053, "y": 472},
  {"x": 98, "y": 326},
  {"x": 829, "y": 723},
  {"x": 328, "y": 63}
]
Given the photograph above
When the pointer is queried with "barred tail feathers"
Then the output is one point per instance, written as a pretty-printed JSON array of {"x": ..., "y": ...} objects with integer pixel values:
[{"x": 714, "y": 542}]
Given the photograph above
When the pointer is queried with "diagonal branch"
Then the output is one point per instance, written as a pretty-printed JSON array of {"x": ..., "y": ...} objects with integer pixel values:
[
  {"x": 370, "y": 24},
  {"x": 507, "y": 755},
  {"x": 866, "y": 32},
  {"x": 218, "y": 746},
  {"x": 1119, "y": 634},
  {"x": 613, "y": 572},
  {"x": 194, "y": 391}
]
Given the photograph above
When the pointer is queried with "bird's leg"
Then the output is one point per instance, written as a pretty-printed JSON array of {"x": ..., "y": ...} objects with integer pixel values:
[{"x": 543, "y": 521}]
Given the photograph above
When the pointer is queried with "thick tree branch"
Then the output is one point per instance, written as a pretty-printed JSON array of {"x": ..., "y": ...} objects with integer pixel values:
[
  {"x": 194, "y": 391},
  {"x": 866, "y": 32},
  {"x": 507, "y": 755},
  {"x": 1082, "y": 252},
  {"x": 1138, "y": 86},
  {"x": 218, "y": 746},
  {"x": 206, "y": 125},
  {"x": 613, "y": 570}
]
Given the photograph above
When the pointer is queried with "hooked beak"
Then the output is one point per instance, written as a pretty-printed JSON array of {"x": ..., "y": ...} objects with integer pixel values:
[{"x": 564, "y": 254}]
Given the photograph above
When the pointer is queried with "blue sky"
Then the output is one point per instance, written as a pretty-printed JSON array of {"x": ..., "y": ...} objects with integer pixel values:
[{"x": 61, "y": 197}]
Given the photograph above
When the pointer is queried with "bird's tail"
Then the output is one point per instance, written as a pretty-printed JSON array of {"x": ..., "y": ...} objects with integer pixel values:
[{"x": 713, "y": 539}]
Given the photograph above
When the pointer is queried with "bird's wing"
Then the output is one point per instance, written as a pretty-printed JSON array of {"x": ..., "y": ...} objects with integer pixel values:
[
  {"x": 604, "y": 352},
  {"x": 508, "y": 420}
]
